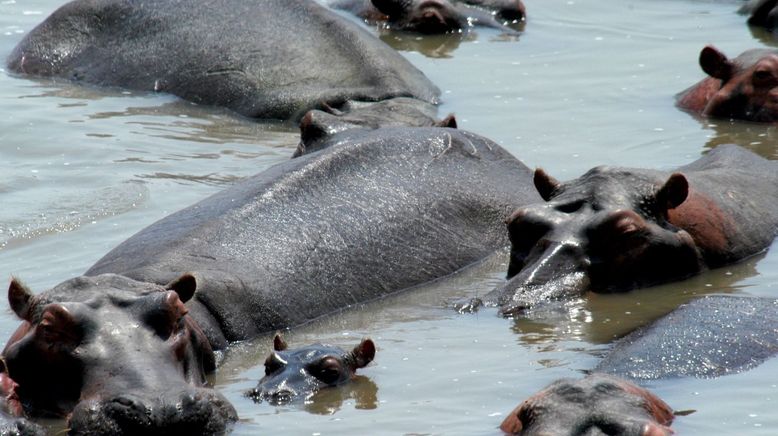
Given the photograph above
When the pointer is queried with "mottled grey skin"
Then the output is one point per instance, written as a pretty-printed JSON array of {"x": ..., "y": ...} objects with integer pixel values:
[
  {"x": 261, "y": 58},
  {"x": 437, "y": 16},
  {"x": 616, "y": 229},
  {"x": 376, "y": 213},
  {"x": 295, "y": 375},
  {"x": 596, "y": 405},
  {"x": 708, "y": 337}
]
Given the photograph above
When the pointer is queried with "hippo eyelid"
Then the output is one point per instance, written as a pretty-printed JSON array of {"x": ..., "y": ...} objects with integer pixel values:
[{"x": 571, "y": 207}]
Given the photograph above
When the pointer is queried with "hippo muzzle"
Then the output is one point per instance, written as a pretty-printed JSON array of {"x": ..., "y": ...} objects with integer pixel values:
[{"x": 194, "y": 411}]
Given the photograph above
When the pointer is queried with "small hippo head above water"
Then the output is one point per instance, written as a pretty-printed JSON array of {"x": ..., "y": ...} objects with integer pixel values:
[
  {"x": 744, "y": 88},
  {"x": 595, "y": 405},
  {"x": 297, "y": 374},
  {"x": 115, "y": 356},
  {"x": 441, "y": 16},
  {"x": 605, "y": 231}
]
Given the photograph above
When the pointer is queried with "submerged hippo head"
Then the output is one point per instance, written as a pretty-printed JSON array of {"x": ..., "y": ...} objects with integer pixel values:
[
  {"x": 116, "y": 357},
  {"x": 595, "y": 405},
  {"x": 297, "y": 374},
  {"x": 423, "y": 16},
  {"x": 317, "y": 127},
  {"x": 606, "y": 231},
  {"x": 744, "y": 88}
]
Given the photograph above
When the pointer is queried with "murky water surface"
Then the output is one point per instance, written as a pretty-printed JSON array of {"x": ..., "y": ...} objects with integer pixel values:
[{"x": 589, "y": 82}]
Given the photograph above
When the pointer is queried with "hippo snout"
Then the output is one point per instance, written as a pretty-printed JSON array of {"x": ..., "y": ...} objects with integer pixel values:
[{"x": 196, "y": 412}]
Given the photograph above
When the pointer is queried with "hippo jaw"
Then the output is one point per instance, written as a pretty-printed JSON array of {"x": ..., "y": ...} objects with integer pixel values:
[
  {"x": 116, "y": 357},
  {"x": 298, "y": 374}
]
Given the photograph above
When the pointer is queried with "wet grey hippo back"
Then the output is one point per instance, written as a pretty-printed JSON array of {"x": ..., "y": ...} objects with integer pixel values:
[
  {"x": 375, "y": 213},
  {"x": 261, "y": 58},
  {"x": 708, "y": 337}
]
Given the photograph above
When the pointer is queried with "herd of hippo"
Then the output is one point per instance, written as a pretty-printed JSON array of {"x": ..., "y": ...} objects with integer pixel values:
[{"x": 382, "y": 195}]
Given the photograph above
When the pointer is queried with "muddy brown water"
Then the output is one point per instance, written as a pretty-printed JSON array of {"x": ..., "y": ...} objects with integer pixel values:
[{"x": 589, "y": 82}]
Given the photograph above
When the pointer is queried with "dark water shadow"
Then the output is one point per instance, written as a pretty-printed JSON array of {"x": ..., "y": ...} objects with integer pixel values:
[{"x": 327, "y": 401}]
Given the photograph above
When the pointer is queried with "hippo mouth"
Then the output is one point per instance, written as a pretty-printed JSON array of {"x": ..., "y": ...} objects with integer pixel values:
[
  {"x": 517, "y": 296},
  {"x": 197, "y": 412}
]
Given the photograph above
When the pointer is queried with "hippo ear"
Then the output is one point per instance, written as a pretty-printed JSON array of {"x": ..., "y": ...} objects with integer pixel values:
[
  {"x": 673, "y": 193},
  {"x": 279, "y": 344},
  {"x": 450, "y": 121},
  {"x": 364, "y": 353},
  {"x": 715, "y": 63},
  {"x": 310, "y": 130},
  {"x": 392, "y": 8},
  {"x": 545, "y": 184},
  {"x": 185, "y": 286},
  {"x": 20, "y": 299}
]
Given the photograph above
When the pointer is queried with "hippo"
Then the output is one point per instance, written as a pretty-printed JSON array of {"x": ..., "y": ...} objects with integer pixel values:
[
  {"x": 705, "y": 338},
  {"x": 319, "y": 126},
  {"x": 616, "y": 229},
  {"x": 598, "y": 404},
  {"x": 381, "y": 211},
  {"x": 277, "y": 59},
  {"x": 743, "y": 88},
  {"x": 437, "y": 16},
  {"x": 761, "y": 13},
  {"x": 296, "y": 375},
  {"x": 12, "y": 419}
]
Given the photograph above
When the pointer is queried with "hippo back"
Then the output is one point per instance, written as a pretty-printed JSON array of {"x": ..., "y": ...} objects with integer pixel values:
[
  {"x": 732, "y": 209},
  {"x": 708, "y": 337},
  {"x": 376, "y": 213},
  {"x": 262, "y": 58}
]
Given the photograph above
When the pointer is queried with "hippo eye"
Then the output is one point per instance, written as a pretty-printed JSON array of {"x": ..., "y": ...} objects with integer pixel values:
[
  {"x": 328, "y": 371},
  {"x": 764, "y": 78}
]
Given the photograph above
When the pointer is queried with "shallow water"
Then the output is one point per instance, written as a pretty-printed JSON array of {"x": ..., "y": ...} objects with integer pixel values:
[{"x": 589, "y": 82}]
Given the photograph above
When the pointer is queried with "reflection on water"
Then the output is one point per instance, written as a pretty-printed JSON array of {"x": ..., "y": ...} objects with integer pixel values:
[{"x": 329, "y": 400}]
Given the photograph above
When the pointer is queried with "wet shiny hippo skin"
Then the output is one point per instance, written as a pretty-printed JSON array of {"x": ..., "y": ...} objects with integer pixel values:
[
  {"x": 595, "y": 405},
  {"x": 276, "y": 59},
  {"x": 297, "y": 374},
  {"x": 744, "y": 88},
  {"x": 437, "y": 16},
  {"x": 377, "y": 212},
  {"x": 12, "y": 420},
  {"x": 116, "y": 357},
  {"x": 708, "y": 337},
  {"x": 615, "y": 229}
]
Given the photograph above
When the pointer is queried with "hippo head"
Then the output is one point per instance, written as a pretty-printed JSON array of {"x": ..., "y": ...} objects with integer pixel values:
[
  {"x": 747, "y": 87},
  {"x": 504, "y": 10},
  {"x": 423, "y": 16},
  {"x": 115, "y": 356},
  {"x": 317, "y": 127},
  {"x": 298, "y": 374},
  {"x": 606, "y": 231},
  {"x": 595, "y": 405},
  {"x": 762, "y": 13}
]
